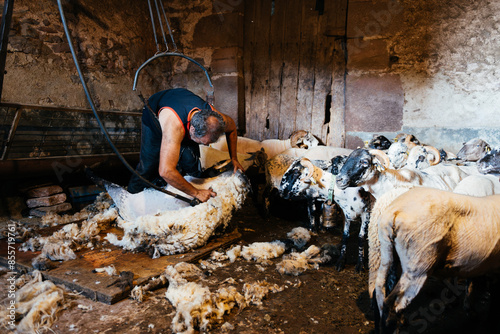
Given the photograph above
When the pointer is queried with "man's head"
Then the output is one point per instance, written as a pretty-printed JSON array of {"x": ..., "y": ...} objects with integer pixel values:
[{"x": 206, "y": 126}]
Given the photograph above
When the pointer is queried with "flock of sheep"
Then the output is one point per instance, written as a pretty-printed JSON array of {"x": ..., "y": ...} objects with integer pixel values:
[{"x": 427, "y": 211}]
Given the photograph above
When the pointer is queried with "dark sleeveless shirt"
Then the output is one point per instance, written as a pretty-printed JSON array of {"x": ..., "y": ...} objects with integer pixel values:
[{"x": 180, "y": 100}]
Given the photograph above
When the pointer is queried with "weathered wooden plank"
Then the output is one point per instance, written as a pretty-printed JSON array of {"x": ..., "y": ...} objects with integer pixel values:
[
  {"x": 77, "y": 274},
  {"x": 323, "y": 74},
  {"x": 305, "y": 90},
  {"x": 260, "y": 75},
  {"x": 248, "y": 59},
  {"x": 288, "y": 108},
  {"x": 336, "y": 135},
  {"x": 276, "y": 68}
]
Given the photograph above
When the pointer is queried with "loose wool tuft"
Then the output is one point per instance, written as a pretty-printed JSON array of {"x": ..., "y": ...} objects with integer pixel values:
[
  {"x": 101, "y": 203},
  {"x": 37, "y": 304},
  {"x": 263, "y": 251},
  {"x": 233, "y": 253},
  {"x": 60, "y": 246},
  {"x": 178, "y": 229},
  {"x": 196, "y": 308},
  {"x": 297, "y": 263},
  {"x": 300, "y": 236},
  {"x": 199, "y": 309}
]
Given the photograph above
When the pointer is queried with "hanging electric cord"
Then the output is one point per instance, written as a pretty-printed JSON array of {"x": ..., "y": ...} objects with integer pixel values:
[{"x": 193, "y": 201}]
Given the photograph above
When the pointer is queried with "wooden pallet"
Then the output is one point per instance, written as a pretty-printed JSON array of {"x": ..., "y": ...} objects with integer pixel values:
[{"x": 77, "y": 274}]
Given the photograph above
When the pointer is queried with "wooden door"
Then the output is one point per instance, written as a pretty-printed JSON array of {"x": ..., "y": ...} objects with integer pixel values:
[{"x": 293, "y": 63}]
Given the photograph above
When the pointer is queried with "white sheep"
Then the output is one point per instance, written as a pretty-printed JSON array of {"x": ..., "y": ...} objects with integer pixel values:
[
  {"x": 369, "y": 169},
  {"x": 272, "y": 147},
  {"x": 210, "y": 156},
  {"x": 434, "y": 232},
  {"x": 169, "y": 226},
  {"x": 398, "y": 151},
  {"x": 421, "y": 157}
]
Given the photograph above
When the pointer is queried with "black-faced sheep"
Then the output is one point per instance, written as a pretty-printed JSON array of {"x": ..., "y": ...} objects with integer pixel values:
[
  {"x": 490, "y": 162},
  {"x": 303, "y": 180},
  {"x": 473, "y": 150}
]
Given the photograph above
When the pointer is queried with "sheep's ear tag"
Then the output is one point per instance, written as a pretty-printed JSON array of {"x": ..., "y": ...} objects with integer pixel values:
[
  {"x": 488, "y": 149},
  {"x": 379, "y": 167}
]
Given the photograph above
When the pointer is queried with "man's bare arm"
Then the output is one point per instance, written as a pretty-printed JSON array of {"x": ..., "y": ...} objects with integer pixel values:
[{"x": 173, "y": 133}]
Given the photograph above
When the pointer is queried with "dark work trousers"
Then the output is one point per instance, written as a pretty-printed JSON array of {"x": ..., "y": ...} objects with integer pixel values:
[{"x": 149, "y": 163}]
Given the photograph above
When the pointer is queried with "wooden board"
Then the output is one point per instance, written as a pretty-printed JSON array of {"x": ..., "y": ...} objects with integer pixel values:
[{"x": 77, "y": 274}]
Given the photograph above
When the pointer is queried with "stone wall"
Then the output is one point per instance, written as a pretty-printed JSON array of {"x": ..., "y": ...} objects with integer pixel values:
[
  {"x": 427, "y": 67},
  {"x": 113, "y": 39}
]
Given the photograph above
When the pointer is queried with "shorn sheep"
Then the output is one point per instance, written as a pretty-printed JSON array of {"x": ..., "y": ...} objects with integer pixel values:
[
  {"x": 166, "y": 225},
  {"x": 434, "y": 232}
]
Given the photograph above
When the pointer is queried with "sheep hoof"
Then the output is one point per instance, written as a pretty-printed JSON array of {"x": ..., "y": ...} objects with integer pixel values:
[
  {"x": 360, "y": 267},
  {"x": 340, "y": 265}
]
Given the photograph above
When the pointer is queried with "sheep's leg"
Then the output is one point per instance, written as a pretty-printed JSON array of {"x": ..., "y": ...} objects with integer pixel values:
[
  {"x": 319, "y": 213},
  {"x": 376, "y": 313},
  {"x": 404, "y": 292},
  {"x": 267, "y": 198},
  {"x": 340, "y": 265},
  {"x": 311, "y": 213},
  {"x": 365, "y": 219}
]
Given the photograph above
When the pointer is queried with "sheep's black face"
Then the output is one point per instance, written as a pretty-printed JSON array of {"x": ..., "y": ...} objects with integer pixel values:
[
  {"x": 337, "y": 163},
  {"x": 379, "y": 143},
  {"x": 357, "y": 165},
  {"x": 490, "y": 163},
  {"x": 473, "y": 150},
  {"x": 291, "y": 186}
]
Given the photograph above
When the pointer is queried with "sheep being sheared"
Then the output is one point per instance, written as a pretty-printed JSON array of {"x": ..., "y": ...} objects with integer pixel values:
[{"x": 167, "y": 225}]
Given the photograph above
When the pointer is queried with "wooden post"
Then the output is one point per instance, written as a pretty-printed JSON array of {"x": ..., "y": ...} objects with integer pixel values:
[{"x": 4, "y": 38}]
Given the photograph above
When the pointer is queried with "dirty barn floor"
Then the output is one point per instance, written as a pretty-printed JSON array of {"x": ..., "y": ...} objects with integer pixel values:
[{"x": 318, "y": 301}]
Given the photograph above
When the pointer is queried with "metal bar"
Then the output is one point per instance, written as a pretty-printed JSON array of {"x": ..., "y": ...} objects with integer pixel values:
[
  {"x": 168, "y": 26},
  {"x": 4, "y": 37},
  {"x": 165, "y": 54},
  {"x": 12, "y": 132},
  {"x": 161, "y": 25},
  {"x": 153, "y": 24}
]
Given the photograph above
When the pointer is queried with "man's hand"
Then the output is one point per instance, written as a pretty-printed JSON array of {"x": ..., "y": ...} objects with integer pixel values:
[
  {"x": 237, "y": 166},
  {"x": 205, "y": 194}
]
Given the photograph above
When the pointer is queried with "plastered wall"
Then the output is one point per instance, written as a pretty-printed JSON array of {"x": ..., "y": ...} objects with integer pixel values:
[{"x": 430, "y": 68}]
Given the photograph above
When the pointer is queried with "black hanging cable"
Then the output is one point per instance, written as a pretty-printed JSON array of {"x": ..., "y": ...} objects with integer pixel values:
[{"x": 193, "y": 201}]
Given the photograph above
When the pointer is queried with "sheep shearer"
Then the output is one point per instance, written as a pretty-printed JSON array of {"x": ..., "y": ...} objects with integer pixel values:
[{"x": 174, "y": 122}]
